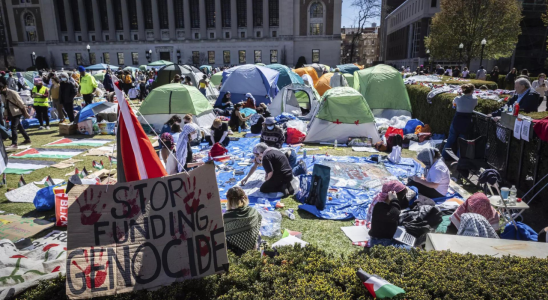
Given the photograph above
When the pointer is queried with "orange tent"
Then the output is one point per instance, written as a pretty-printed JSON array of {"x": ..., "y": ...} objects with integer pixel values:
[
  {"x": 308, "y": 70},
  {"x": 323, "y": 84}
]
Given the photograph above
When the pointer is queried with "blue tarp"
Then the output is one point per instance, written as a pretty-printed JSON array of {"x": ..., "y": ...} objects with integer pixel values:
[
  {"x": 260, "y": 81},
  {"x": 98, "y": 67},
  {"x": 348, "y": 68}
]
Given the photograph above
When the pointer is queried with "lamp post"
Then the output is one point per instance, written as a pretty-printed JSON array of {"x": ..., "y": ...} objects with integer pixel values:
[
  {"x": 178, "y": 57},
  {"x": 483, "y": 43},
  {"x": 461, "y": 47},
  {"x": 429, "y": 60},
  {"x": 33, "y": 59},
  {"x": 89, "y": 53},
  {"x": 149, "y": 55}
]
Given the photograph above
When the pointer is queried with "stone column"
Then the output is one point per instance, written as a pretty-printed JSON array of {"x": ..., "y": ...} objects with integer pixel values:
[
  {"x": 171, "y": 19},
  {"x": 111, "y": 22},
  {"x": 125, "y": 21},
  {"x": 188, "y": 30},
  {"x": 97, "y": 22},
  {"x": 234, "y": 19},
  {"x": 83, "y": 22},
  {"x": 203, "y": 23},
  {"x": 69, "y": 20},
  {"x": 249, "y": 18},
  {"x": 156, "y": 20},
  {"x": 218, "y": 20},
  {"x": 140, "y": 20},
  {"x": 266, "y": 20}
]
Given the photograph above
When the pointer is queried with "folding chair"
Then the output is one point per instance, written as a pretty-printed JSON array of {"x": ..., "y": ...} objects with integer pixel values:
[{"x": 472, "y": 157}]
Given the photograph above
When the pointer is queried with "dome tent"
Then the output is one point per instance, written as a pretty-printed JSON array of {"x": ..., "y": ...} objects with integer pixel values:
[
  {"x": 384, "y": 90},
  {"x": 166, "y": 74},
  {"x": 318, "y": 68},
  {"x": 176, "y": 99},
  {"x": 309, "y": 71},
  {"x": 348, "y": 68},
  {"x": 328, "y": 81},
  {"x": 216, "y": 78},
  {"x": 343, "y": 113},
  {"x": 259, "y": 81},
  {"x": 286, "y": 77},
  {"x": 292, "y": 98}
]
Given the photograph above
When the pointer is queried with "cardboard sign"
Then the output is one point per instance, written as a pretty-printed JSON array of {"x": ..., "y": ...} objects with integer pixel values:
[
  {"x": 61, "y": 209},
  {"x": 144, "y": 234},
  {"x": 14, "y": 227}
]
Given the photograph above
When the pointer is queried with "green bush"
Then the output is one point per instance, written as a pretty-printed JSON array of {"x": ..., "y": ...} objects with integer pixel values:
[
  {"x": 537, "y": 115},
  {"x": 310, "y": 273},
  {"x": 440, "y": 113}
]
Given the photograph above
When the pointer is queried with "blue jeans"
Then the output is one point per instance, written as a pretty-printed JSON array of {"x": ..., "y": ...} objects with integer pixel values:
[
  {"x": 203, "y": 91},
  {"x": 298, "y": 168},
  {"x": 387, "y": 242},
  {"x": 451, "y": 140}
]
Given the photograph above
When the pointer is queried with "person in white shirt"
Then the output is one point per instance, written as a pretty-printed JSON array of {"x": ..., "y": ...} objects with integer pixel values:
[
  {"x": 438, "y": 177},
  {"x": 481, "y": 74},
  {"x": 465, "y": 72}
]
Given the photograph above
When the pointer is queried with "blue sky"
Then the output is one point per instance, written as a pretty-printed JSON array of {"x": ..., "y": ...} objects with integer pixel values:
[{"x": 349, "y": 14}]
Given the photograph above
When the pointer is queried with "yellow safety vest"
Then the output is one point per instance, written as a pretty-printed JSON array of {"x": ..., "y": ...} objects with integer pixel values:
[{"x": 40, "y": 101}]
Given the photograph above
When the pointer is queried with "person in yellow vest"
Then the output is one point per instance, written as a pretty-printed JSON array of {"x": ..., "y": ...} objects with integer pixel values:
[
  {"x": 88, "y": 84},
  {"x": 40, "y": 93}
]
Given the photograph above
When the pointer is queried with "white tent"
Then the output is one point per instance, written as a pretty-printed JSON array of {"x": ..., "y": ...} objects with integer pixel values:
[
  {"x": 294, "y": 99},
  {"x": 343, "y": 113}
]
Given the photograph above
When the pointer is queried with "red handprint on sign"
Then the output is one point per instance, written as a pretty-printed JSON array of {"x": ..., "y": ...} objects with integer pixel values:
[
  {"x": 182, "y": 235},
  {"x": 89, "y": 215},
  {"x": 100, "y": 276},
  {"x": 189, "y": 198},
  {"x": 132, "y": 200}
]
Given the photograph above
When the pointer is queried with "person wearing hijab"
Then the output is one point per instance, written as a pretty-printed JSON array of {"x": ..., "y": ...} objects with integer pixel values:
[
  {"x": 168, "y": 153},
  {"x": 107, "y": 82},
  {"x": 40, "y": 93},
  {"x": 12, "y": 82},
  {"x": 250, "y": 102},
  {"x": 67, "y": 92},
  {"x": 21, "y": 83},
  {"x": 184, "y": 151},
  {"x": 477, "y": 204},
  {"x": 438, "y": 177}
]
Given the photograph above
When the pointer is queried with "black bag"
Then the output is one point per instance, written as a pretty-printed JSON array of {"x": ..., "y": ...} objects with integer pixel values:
[
  {"x": 394, "y": 139},
  {"x": 319, "y": 186},
  {"x": 473, "y": 149}
]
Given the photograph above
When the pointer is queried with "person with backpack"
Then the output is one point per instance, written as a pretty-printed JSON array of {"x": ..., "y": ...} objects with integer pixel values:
[{"x": 128, "y": 82}]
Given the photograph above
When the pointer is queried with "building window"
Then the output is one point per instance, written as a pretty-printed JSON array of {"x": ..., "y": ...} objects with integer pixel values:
[
  {"x": 242, "y": 35},
  {"x": 66, "y": 61},
  {"x": 241, "y": 56},
  {"x": 316, "y": 10},
  {"x": 89, "y": 15},
  {"x": 62, "y": 15},
  {"x": 79, "y": 38},
  {"x": 210, "y": 13},
  {"x": 107, "y": 37},
  {"x": 196, "y": 57},
  {"x": 241, "y": 6},
  {"x": 162, "y": 11},
  {"x": 273, "y": 56},
  {"x": 135, "y": 37},
  {"x": 227, "y": 35},
  {"x": 316, "y": 18},
  {"x": 103, "y": 12},
  {"x": 196, "y": 36},
  {"x": 211, "y": 35},
  {"x": 79, "y": 59},
  {"x": 274, "y": 33},
  {"x": 118, "y": 20},
  {"x": 147, "y": 9},
  {"x": 92, "y": 60},
  {"x": 434, "y": 3},
  {"x": 226, "y": 57},
  {"x": 93, "y": 38},
  {"x": 135, "y": 58},
  {"x": 316, "y": 28},
  {"x": 120, "y": 58},
  {"x": 121, "y": 37},
  {"x": 225, "y": 13},
  {"x": 258, "y": 56},
  {"x": 179, "y": 14},
  {"x": 75, "y": 15},
  {"x": 258, "y": 34},
  {"x": 274, "y": 12},
  {"x": 315, "y": 56},
  {"x": 211, "y": 57},
  {"x": 106, "y": 58},
  {"x": 132, "y": 10},
  {"x": 194, "y": 13},
  {"x": 257, "y": 13}
]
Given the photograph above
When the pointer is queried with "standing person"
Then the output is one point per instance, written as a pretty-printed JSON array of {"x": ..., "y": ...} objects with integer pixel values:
[
  {"x": 236, "y": 119},
  {"x": 481, "y": 74},
  {"x": 188, "y": 81},
  {"x": 250, "y": 101},
  {"x": 539, "y": 85},
  {"x": 128, "y": 82},
  {"x": 203, "y": 84},
  {"x": 176, "y": 79},
  {"x": 511, "y": 78},
  {"x": 448, "y": 72},
  {"x": 219, "y": 133},
  {"x": 169, "y": 123},
  {"x": 21, "y": 83},
  {"x": 107, "y": 82},
  {"x": 439, "y": 70},
  {"x": 437, "y": 180},
  {"x": 67, "y": 91},
  {"x": 495, "y": 74},
  {"x": 88, "y": 85},
  {"x": 272, "y": 135},
  {"x": 40, "y": 93},
  {"x": 278, "y": 172},
  {"x": 456, "y": 72},
  {"x": 54, "y": 92},
  {"x": 12, "y": 82},
  {"x": 76, "y": 75},
  {"x": 462, "y": 121},
  {"x": 15, "y": 108},
  {"x": 525, "y": 74},
  {"x": 465, "y": 72}
]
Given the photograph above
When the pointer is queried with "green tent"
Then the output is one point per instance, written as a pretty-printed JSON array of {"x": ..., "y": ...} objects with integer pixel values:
[
  {"x": 216, "y": 78},
  {"x": 143, "y": 67},
  {"x": 176, "y": 99},
  {"x": 349, "y": 79},
  {"x": 99, "y": 76},
  {"x": 160, "y": 63},
  {"x": 384, "y": 90}
]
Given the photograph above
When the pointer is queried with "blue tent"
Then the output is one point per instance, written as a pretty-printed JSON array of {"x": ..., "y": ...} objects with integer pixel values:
[
  {"x": 92, "y": 109},
  {"x": 261, "y": 82},
  {"x": 348, "y": 68},
  {"x": 286, "y": 77},
  {"x": 99, "y": 67}
]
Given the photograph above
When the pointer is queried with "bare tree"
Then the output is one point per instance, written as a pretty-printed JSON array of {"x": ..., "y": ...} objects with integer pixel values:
[
  {"x": 201, "y": 60},
  {"x": 367, "y": 10}
]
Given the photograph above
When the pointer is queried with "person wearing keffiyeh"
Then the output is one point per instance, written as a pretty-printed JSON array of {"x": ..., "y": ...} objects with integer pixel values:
[
  {"x": 476, "y": 225},
  {"x": 242, "y": 223},
  {"x": 21, "y": 83},
  {"x": 477, "y": 204},
  {"x": 184, "y": 151}
]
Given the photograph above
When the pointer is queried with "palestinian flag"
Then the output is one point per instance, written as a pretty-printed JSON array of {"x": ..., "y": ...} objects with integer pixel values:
[
  {"x": 21, "y": 182},
  {"x": 25, "y": 166},
  {"x": 378, "y": 287},
  {"x": 112, "y": 159},
  {"x": 78, "y": 142},
  {"x": 96, "y": 165},
  {"x": 83, "y": 173},
  {"x": 47, "y": 153},
  {"x": 49, "y": 181}
]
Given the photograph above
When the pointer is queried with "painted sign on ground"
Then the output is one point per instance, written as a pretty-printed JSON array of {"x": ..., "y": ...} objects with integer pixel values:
[{"x": 144, "y": 234}]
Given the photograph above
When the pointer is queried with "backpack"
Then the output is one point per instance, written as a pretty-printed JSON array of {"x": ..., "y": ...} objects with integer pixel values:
[
  {"x": 394, "y": 139},
  {"x": 217, "y": 150},
  {"x": 127, "y": 79},
  {"x": 318, "y": 188}
]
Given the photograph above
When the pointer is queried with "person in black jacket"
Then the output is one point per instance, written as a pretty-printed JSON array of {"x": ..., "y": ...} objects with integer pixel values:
[
  {"x": 528, "y": 99},
  {"x": 272, "y": 135},
  {"x": 67, "y": 92}
]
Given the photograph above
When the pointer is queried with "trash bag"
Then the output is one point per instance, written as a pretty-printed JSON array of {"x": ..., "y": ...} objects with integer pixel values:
[
  {"x": 298, "y": 124},
  {"x": 295, "y": 136},
  {"x": 395, "y": 155},
  {"x": 44, "y": 199},
  {"x": 271, "y": 224},
  {"x": 284, "y": 117}
]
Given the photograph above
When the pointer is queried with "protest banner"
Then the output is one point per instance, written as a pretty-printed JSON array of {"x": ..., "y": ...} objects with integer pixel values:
[{"x": 144, "y": 234}]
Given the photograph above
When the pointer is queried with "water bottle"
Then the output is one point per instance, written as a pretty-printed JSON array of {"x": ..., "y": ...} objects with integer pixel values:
[
  {"x": 335, "y": 144},
  {"x": 304, "y": 153},
  {"x": 239, "y": 130},
  {"x": 513, "y": 195}
]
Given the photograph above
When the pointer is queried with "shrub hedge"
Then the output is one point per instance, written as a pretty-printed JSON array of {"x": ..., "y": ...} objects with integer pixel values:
[
  {"x": 440, "y": 113},
  {"x": 310, "y": 273}
]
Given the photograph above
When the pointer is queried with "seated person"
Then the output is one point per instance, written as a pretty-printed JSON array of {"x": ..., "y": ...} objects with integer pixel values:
[
  {"x": 276, "y": 166},
  {"x": 219, "y": 133},
  {"x": 242, "y": 223},
  {"x": 384, "y": 215},
  {"x": 528, "y": 99},
  {"x": 168, "y": 153},
  {"x": 476, "y": 204},
  {"x": 257, "y": 121},
  {"x": 438, "y": 177},
  {"x": 167, "y": 125},
  {"x": 184, "y": 150},
  {"x": 237, "y": 120},
  {"x": 266, "y": 112},
  {"x": 225, "y": 108},
  {"x": 250, "y": 102},
  {"x": 272, "y": 135},
  {"x": 476, "y": 225},
  {"x": 299, "y": 167}
]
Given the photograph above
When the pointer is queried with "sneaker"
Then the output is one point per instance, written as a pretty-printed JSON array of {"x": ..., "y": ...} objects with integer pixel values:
[
  {"x": 47, "y": 127},
  {"x": 41, "y": 127},
  {"x": 26, "y": 142}
]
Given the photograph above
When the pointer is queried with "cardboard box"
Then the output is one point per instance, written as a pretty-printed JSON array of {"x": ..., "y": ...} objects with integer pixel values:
[{"x": 68, "y": 129}]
